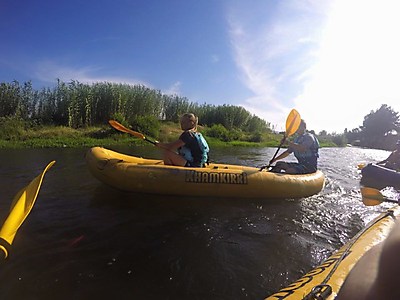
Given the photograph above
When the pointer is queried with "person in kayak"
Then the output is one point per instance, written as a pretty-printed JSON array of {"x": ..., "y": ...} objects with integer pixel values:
[
  {"x": 191, "y": 146},
  {"x": 305, "y": 148},
  {"x": 393, "y": 160}
]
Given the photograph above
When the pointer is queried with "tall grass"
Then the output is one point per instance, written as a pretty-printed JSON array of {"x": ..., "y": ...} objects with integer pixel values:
[{"x": 77, "y": 105}]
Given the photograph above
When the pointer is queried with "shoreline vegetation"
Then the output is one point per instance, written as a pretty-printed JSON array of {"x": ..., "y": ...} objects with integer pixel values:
[
  {"x": 76, "y": 114},
  {"x": 66, "y": 137}
]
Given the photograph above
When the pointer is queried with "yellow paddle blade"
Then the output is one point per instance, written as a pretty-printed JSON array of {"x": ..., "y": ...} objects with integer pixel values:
[
  {"x": 5, "y": 251},
  {"x": 21, "y": 207},
  {"x": 360, "y": 166},
  {"x": 292, "y": 122},
  {"x": 371, "y": 196},
  {"x": 122, "y": 128}
]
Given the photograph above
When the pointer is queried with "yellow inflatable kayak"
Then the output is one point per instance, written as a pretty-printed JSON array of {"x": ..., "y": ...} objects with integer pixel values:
[
  {"x": 135, "y": 174},
  {"x": 325, "y": 281}
]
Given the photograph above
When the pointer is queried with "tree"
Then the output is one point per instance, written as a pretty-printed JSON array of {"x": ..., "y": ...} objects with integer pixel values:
[
  {"x": 354, "y": 136},
  {"x": 378, "y": 128}
]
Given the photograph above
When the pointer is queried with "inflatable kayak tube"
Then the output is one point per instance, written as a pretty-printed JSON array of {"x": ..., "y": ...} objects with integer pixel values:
[
  {"x": 325, "y": 281},
  {"x": 379, "y": 177},
  {"x": 135, "y": 174}
]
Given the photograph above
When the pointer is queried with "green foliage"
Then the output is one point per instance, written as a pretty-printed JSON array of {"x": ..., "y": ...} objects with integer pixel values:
[
  {"x": 378, "y": 126},
  {"x": 62, "y": 136},
  {"x": 218, "y": 131},
  {"x": 148, "y": 125},
  {"x": 332, "y": 140},
  {"x": 120, "y": 118},
  {"x": 255, "y": 124},
  {"x": 339, "y": 139},
  {"x": 230, "y": 117},
  {"x": 79, "y": 105},
  {"x": 11, "y": 128},
  {"x": 256, "y": 137},
  {"x": 174, "y": 107},
  {"x": 16, "y": 100},
  {"x": 379, "y": 130}
]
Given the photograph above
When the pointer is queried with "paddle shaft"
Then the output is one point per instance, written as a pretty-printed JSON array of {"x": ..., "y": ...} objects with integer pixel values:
[
  {"x": 293, "y": 121},
  {"x": 150, "y": 141},
  {"x": 391, "y": 200},
  {"x": 122, "y": 128},
  {"x": 277, "y": 150}
]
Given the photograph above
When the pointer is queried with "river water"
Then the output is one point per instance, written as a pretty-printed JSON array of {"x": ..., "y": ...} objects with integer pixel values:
[{"x": 84, "y": 240}]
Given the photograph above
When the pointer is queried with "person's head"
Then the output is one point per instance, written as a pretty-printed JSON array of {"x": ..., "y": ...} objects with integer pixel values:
[
  {"x": 302, "y": 127},
  {"x": 189, "y": 121}
]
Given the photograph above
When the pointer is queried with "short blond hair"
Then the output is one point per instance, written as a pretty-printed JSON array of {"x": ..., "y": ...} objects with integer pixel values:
[{"x": 189, "y": 121}]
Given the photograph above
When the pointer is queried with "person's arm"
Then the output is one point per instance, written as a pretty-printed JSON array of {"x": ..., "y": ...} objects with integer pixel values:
[
  {"x": 297, "y": 147},
  {"x": 306, "y": 143},
  {"x": 171, "y": 146},
  {"x": 281, "y": 156}
]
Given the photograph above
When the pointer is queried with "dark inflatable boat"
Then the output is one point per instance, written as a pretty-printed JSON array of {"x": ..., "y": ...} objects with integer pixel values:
[{"x": 379, "y": 177}]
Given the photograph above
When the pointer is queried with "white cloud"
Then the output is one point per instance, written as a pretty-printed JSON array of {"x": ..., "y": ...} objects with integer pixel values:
[
  {"x": 334, "y": 64},
  {"x": 174, "y": 89},
  {"x": 357, "y": 68},
  {"x": 48, "y": 71},
  {"x": 272, "y": 53}
]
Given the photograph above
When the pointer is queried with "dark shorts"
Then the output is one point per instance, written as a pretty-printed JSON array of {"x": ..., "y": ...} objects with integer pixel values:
[
  {"x": 302, "y": 169},
  {"x": 299, "y": 168},
  {"x": 193, "y": 164}
]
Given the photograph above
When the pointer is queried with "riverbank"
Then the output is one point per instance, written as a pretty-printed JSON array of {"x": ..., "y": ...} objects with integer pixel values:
[{"x": 65, "y": 137}]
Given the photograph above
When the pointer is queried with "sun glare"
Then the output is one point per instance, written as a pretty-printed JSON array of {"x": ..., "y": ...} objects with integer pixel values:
[{"x": 357, "y": 65}]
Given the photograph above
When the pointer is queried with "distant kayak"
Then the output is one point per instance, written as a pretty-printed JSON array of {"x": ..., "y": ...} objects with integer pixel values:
[
  {"x": 379, "y": 177},
  {"x": 325, "y": 281},
  {"x": 135, "y": 174}
]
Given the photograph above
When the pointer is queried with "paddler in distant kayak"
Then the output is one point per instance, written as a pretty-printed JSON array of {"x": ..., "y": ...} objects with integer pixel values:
[
  {"x": 393, "y": 160},
  {"x": 305, "y": 148},
  {"x": 191, "y": 146}
]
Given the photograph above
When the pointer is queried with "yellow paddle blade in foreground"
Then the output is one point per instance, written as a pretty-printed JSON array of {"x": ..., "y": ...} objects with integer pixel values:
[
  {"x": 292, "y": 122},
  {"x": 360, "y": 166},
  {"x": 20, "y": 208},
  {"x": 371, "y": 197}
]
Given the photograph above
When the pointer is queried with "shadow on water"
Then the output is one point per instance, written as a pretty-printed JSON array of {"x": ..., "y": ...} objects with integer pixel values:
[
  {"x": 85, "y": 240},
  {"x": 203, "y": 248},
  {"x": 133, "y": 245}
]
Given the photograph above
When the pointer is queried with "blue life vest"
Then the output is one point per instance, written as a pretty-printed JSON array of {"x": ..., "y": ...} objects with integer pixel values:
[
  {"x": 196, "y": 153},
  {"x": 309, "y": 157}
]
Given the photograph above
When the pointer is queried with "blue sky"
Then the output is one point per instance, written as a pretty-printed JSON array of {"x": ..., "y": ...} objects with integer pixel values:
[{"x": 334, "y": 61}]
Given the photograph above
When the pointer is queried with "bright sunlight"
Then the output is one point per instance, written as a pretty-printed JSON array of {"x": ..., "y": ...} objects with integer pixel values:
[{"x": 357, "y": 65}]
